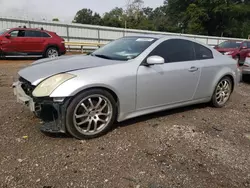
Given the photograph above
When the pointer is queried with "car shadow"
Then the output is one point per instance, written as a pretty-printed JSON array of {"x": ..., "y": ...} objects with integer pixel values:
[
  {"x": 160, "y": 114},
  {"x": 246, "y": 79},
  {"x": 57, "y": 135},
  {"x": 18, "y": 58}
]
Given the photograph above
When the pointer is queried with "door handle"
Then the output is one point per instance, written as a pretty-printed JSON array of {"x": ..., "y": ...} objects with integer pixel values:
[{"x": 193, "y": 69}]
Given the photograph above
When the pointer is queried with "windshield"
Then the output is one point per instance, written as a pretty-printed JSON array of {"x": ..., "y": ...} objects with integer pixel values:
[
  {"x": 124, "y": 48},
  {"x": 230, "y": 44}
]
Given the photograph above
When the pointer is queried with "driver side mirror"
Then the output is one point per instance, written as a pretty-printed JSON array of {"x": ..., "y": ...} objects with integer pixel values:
[
  {"x": 7, "y": 35},
  {"x": 155, "y": 60}
]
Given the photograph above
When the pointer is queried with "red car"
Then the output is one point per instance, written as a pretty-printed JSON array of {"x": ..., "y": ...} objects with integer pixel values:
[
  {"x": 242, "y": 53},
  {"x": 26, "y": 41},
  {"x": 228, "y": 46}
]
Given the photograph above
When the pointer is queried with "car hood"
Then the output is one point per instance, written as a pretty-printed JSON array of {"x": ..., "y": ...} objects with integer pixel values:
[
  {"x": 226, "y": 49},
  {"x": 42, "y": 69}
]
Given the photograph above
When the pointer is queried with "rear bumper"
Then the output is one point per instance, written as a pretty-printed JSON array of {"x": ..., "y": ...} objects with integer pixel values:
[
  {"x": 51, "y": 113},
  {"x": 246, "y": 66},
  {"x": 62, "y": 49},
  {"x": 246, "y": 71},
  {"x": 63, "y": 52}
]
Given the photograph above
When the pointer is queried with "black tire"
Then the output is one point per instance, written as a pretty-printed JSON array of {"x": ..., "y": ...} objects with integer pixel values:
[
  {"x": 71, "y": 128},
  {"x": 1, "y": 54},
  {"x": 239, "y": 61},
  {"x": 245, "y": 78},
  {"x": 37, "y": 114},
  {"x": 214, "y": 102},
  {"x": 51, "y": 49}
]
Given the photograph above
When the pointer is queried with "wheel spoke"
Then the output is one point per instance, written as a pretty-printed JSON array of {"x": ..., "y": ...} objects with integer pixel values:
[
  {"x": 83, "y": 122},
  {"x": 84, "y": 106},
  {"x": 222, "y": 98},
  {"x": 81, "y": 116},
  {"x": 103, "y": 107},
  {"x": 89, "y": 126},
  {"x": 95, "y": 126},
  {"x": 224, "y": 84},
  {"x": 102, "y": 120},
  {"x": 104, "y": 114},
  {"x": 218, "y": 92},
  {"x": 99, "y": 103},
  {"x": 91, "y": 103},
  {"x": 219, "y": 97}
]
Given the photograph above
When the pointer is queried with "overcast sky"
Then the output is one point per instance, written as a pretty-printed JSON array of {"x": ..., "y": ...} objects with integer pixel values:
[{"x": 65, "y": 10}]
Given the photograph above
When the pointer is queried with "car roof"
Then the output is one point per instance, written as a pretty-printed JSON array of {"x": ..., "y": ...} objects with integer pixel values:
[
  {"x": 165, "y": 37},
  {"x": 147, "y": 36},
  {"x": 22, "y": 28}
]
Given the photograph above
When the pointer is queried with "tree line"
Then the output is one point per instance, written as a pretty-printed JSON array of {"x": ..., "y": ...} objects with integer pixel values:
[{"x": 227, "y": 18}]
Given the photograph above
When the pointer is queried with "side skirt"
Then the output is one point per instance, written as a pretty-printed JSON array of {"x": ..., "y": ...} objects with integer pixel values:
[{"x": 130, "y": 115}]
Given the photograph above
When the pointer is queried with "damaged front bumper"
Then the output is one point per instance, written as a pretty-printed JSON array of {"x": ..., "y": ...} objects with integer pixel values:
[{"x": 51, "y": 111}]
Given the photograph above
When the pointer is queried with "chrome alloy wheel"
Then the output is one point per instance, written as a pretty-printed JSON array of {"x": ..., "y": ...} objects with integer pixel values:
[
  {"x": 52, "y": 53},
  {"x": 92, "y": 114},
  {"x": 223, "y": 91}
]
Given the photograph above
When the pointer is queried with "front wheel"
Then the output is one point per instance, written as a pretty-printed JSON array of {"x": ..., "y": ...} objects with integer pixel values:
[
  {"x": 222, "y": 92},
  {"x": 91, "y": 114}
]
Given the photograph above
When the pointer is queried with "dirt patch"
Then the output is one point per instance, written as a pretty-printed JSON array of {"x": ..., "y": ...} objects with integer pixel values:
[{"x": 197, "y": 146}]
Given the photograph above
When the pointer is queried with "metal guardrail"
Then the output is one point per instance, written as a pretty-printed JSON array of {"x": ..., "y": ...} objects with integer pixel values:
[
  {"x": 95, "y": 33},
  {"x": 82, "y": 45}
]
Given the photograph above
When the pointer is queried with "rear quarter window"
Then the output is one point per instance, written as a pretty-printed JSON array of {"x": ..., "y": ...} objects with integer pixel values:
[
  {"x": 248, "y": 44},
  {"x": 202, "y": 52},
  {"x": 45, "y": 35}
]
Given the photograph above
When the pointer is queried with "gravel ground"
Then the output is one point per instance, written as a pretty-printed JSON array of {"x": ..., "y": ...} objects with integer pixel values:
[{"x": 198, "y": 146}]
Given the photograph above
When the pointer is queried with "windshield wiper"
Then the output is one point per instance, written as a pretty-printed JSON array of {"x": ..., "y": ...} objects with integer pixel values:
[{"x": 101, "y": 56}]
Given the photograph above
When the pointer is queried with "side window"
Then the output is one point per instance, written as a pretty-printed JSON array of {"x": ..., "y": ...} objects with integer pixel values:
[
  {"x": 46, "y": 35},
  {"x": 175, "y": 50},
  {"x": 30, "y": 33},
  {"x": 248, "y": 44},
  {"x": 17, "y": 33},
  {"x": 13, "y": 33},
  {"x": 244, "y": 44},
  {"x": 202, "y": 52}
]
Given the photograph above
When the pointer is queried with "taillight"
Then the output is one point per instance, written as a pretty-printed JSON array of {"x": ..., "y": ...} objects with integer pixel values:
[{"x": 248, "y": 54}]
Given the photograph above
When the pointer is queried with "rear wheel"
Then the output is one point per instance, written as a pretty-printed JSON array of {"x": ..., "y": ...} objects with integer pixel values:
[
  {"x": 222, "y": 92},
  {"x": 91, "y": 114},
  {"x": 51, "y": 52}
]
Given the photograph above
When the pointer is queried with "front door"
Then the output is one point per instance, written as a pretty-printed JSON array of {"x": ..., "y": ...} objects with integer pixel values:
[
  {"x": 174, "y": 82},
  {"x": 14, "y": 43}
]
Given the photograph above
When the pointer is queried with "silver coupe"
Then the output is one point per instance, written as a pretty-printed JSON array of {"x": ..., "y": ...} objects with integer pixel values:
[{"x": 84, "y": 95}]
